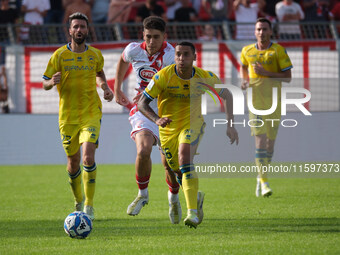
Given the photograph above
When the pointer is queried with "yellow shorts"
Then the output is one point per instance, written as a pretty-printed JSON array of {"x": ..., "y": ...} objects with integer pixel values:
[
  {"x": 265, "y": 124},
  {"x": 170, "y": 142},
  {"x": 74, "y": 135}
]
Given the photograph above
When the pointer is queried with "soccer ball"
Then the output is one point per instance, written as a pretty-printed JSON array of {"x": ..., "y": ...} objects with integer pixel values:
[{"x": 78, "y": 225}]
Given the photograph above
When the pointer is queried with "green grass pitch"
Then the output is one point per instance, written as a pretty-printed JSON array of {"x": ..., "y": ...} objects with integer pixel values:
[{"x": 302, "y": 216}]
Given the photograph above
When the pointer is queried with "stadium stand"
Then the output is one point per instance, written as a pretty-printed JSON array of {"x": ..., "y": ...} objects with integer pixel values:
[{"x": 315, "y": 58}]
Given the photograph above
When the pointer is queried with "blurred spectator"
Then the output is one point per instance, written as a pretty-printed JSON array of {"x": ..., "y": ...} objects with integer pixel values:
[
  {"x": 204, "y": 11},
  {"x": 196, "y": 4},
  {"x": 269, "y": 10},
  {"x": 119, "y": 11},
  {"x": 316, "y": 10},
  {"x": 289, "y": 11},
  {"x": 219, "y": 9},
  {"x": 7, "y": 16},
  {"x": 83, "y": 7},
  {"x": 56, "y": 13},
  {"x": 208, "y": 34},
  {"x": 172, "y": 6},
  {"x": 335, "y": 12},
  {"x": 246, "y": 12},
  {"x": 186, "y": 13},
  {"x": 150, "y": 8},
  {"x": 34, "y": 12},
  {"x": 3, "y": 90},
  {"x": 100, "y": 10}
]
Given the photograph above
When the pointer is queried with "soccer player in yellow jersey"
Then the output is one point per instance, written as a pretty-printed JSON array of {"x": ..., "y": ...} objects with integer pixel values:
[
  {"x": 75, "y": 69},
  {"x": 179, "y": 88},
  {"x": 264, "y": 66}
]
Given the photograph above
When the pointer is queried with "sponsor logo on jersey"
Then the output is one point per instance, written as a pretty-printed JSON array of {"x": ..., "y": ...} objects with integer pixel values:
[
  {"x": 78, "y": 68},
  {"x": 69, "y": 59},
  {"x": 186, "y": 86},
  {"x": 79, "y": 59},
  {"x": 146, "y": 73}
]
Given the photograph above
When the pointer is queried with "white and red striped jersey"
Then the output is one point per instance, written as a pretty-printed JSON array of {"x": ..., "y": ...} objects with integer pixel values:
[{"x": 144, "y": 65}]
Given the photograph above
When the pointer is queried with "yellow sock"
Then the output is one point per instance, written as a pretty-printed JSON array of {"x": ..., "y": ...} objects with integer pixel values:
[
  {"x": 75, "y": 182},
  {"x": 260, "y": 161},
  {"x": 189, "y": 185},
  {"x": 89, "y": 180}
]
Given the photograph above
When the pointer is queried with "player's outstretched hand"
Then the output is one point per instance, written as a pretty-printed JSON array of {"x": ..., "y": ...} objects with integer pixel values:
[
  {"x": 121, "y": 98},
  {"x": 232, "y": 134},
  {"x": 108, "y": 94},
  {"x": 163, "y": 122},
  {"x": 137, "y": 97}
]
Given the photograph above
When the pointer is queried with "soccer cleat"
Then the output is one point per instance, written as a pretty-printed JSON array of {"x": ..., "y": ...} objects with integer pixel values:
[
  {"x": 265, "y": 190},
  {"x": 191, "y": 220},
  {"x": 79, "y": 206},
  {"x": 200, "y": 199},
  {"x": 137, "y": 205},
  {"x": 89, "y": 210},
  {"x": 258, "y": 187},
  {"x": 175, "y": 210}
]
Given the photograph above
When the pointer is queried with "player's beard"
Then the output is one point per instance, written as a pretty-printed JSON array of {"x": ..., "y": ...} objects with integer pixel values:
[{"x": 79, "y": 40}]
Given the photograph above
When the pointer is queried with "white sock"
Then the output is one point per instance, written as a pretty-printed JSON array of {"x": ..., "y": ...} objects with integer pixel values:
[
  {"x": 143, "y": 192},
  {"x": 173, "y": 197}
]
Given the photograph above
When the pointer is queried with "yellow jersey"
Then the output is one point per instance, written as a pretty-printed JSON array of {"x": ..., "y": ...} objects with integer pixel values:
[
  {"x": 180, "y": 99},
  {"x": 273, "y": 59},
  {"x": 79, "y": 101}
]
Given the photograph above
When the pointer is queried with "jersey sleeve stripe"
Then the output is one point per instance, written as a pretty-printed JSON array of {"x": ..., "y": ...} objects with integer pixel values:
[
  {"x": 46, "y": 78},
  {"x": 147, "y": 95},
  {"x": 287, "y": 68}
]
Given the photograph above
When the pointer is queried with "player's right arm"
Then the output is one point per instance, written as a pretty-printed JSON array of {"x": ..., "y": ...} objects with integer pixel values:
[
  {"x": 244, "y": 73},
  {"x": 144, "y": 107},
  {"x": 150, "y": 93},
  {"x": 48, "y": 84},
  {"x": 244, "y": 77},
  {"x": 122, "y": 68}
]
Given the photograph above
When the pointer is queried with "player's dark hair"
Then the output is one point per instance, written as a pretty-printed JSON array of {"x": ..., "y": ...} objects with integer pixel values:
[
  {"x": 264, "y": 20},
  {"x": 154, "y": 22},
  {"x": 78, "y": 15},
  {"x": 184, "y": 43}
]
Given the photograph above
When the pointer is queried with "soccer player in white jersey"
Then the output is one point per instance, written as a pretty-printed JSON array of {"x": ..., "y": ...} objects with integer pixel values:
[
  {"x": 74, "y": 69},
  {"x": 147, "y": 58}
]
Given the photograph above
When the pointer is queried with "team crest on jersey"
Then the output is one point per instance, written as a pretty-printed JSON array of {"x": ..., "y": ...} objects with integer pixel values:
[
  {"x": 90, "y": 59},
  {"x": 146, "y": 73}
]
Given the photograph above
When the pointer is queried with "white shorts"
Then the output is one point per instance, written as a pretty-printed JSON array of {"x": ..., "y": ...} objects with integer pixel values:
[{"x": 139, "y": 122}]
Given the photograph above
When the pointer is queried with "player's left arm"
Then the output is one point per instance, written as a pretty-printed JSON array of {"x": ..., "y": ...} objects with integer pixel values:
[
  {"x": 101, "y": 81},
  {"x": 228, "y": 105}
]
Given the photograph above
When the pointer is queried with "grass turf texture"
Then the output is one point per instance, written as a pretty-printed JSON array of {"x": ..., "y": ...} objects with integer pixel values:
[{"x": 302, "y": 217}]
